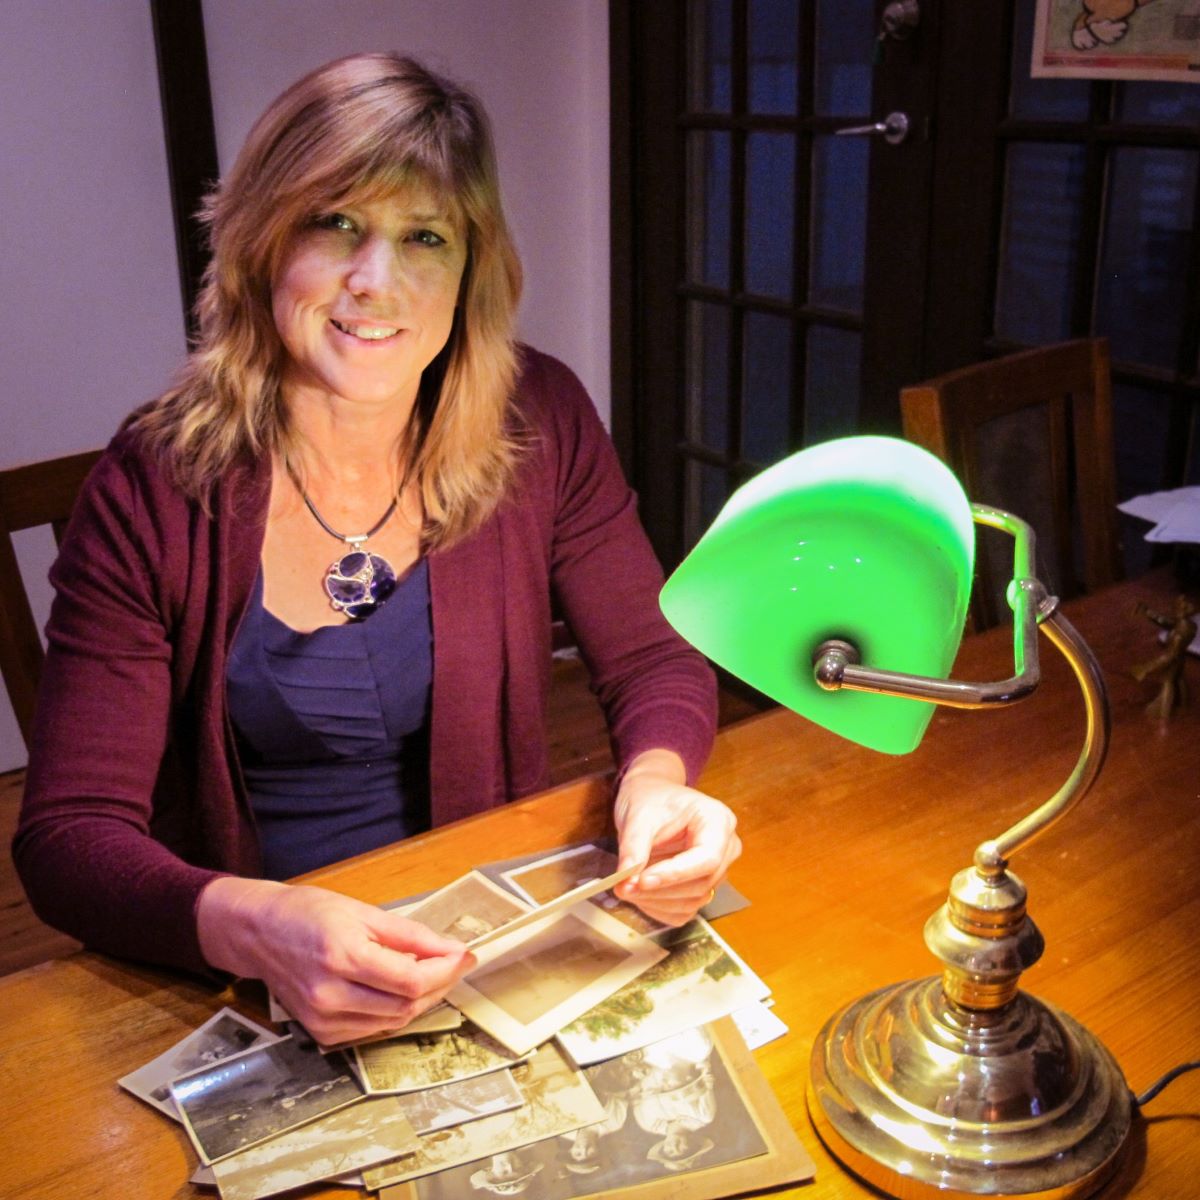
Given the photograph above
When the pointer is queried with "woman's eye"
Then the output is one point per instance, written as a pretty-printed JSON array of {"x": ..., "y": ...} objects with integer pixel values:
[
  {"x": 426, "y": 237},
  {"x": 337, "y": 221}
]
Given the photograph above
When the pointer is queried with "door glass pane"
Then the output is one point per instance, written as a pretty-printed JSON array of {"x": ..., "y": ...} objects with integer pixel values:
[
  {"x": 708, "y": 167},
  {"x": 710, "y": 32},
  {"x": 1141, "y": 424},
  {"x": 770, "y": 167},
  {"x": 707, "y": 489},
  {"x": 1049, "y": 99},
  {"x": 708, "y": 375},
  {"x": 839, "y": 222},
  {"x": 1142, "y": 292},
  {"x": 1145, "y": 103},
  {"x": 766, "y": 387},
  {"x": 774, "y": 70},
  {"x": 1039, "y": 240},
  {"x": 846, "y": 32},
  {"x": 832, "y": 381}
]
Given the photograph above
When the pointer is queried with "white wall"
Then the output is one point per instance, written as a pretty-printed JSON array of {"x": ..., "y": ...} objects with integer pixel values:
[
  {"x": 541, "y": 69},
  {"x": 90, "y": 307}
]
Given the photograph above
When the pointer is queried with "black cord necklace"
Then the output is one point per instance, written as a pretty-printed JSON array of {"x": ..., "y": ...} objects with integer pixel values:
[{"x": 358, "y": 582}]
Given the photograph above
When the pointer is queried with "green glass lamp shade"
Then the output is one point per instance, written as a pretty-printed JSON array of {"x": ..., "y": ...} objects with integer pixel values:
[{"x": 868, "y": 539}]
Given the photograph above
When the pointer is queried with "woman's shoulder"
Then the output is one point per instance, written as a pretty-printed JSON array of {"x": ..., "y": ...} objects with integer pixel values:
[
  {"x": 136, "y": 472},
  {"x": 549, "y": 396}
]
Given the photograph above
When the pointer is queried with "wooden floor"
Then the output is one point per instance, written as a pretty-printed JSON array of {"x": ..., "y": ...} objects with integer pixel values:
[{"x": 578, "y": 746}]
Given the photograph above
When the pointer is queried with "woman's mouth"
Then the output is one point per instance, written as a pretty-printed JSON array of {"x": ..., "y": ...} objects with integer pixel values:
[{"x": 365, "y": 332}]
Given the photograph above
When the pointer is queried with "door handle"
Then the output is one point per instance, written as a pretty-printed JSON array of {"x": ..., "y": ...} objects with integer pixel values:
[{"x": 893, "y": 128}]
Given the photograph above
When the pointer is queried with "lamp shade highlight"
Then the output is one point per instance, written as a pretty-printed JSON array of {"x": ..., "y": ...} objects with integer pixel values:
[{"x": 867, "y": 539}]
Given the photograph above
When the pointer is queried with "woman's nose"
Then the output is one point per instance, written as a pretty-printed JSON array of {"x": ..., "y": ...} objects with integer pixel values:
[{"x": 375, "y": 269}]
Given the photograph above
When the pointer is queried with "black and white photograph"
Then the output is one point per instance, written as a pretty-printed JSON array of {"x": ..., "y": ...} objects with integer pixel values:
[
  {"x": 676, "y": 1123},
  {"x": 362, "y": 1135},
  {"x": 224, "y": 1034},
  {"x": 410, "y": 1064},
  {"x": 701, "y": 979},
  {"x": 456, "y": 1103},
  {"x": 528, "y": 986},
  {"x": 558, "y": 1099},
  {"x": 262, "y": 1093}
]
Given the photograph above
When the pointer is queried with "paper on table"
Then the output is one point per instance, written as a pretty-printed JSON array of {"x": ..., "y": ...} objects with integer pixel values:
[{"x": 1176, "y": 513}]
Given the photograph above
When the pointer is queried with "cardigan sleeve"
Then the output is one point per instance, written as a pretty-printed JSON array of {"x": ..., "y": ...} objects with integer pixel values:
[
  {"x": 84, "y": 847},
  {"x": 656, "y": 691}
]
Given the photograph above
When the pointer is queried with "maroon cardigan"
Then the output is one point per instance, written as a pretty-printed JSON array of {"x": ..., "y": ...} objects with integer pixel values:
[{"x": 134, "y": 799}]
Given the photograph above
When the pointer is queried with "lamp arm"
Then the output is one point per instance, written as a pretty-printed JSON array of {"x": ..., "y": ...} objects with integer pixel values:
[
  {"x": 836, "y": 665},
  {"x": 992, "y": 855}
]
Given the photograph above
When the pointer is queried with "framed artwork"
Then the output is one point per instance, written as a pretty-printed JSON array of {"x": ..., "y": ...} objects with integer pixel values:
[{"x": 1117, "y": 39}]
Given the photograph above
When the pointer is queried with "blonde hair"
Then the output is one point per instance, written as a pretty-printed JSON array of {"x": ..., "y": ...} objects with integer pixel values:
[{"x": 360, "y": 128}]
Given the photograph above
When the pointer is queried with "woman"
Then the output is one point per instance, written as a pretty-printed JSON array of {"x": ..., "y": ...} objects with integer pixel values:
[{"x": 221, "y": 707}]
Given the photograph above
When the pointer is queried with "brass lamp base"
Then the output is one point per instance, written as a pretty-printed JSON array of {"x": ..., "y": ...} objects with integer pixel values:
[{"x": 923, "y": 1097}]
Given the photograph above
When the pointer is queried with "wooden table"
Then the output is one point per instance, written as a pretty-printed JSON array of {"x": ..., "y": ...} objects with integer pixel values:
[{"x": 847, "y": 853}]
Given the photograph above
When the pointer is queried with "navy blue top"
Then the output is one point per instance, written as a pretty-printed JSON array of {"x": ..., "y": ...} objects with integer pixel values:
[{"x": 332, "y": 728}]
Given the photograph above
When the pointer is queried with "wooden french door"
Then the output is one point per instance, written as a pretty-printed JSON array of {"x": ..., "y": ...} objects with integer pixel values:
[{"x": 776, "y": 281}]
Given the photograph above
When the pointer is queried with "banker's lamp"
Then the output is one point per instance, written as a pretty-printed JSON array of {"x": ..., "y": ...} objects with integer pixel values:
[{"x": 836, "y": 582}]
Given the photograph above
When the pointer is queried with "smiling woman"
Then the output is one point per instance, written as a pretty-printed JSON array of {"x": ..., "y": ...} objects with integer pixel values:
[{"x": 356, "y": 393}]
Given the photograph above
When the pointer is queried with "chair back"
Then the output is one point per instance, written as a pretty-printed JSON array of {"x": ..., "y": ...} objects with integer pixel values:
[
  {"x": 30, "y": 496},
  {"x": 1031, "y": 433}
]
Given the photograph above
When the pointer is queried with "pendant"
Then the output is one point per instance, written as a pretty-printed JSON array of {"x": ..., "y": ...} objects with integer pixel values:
[{"x": 359, "y": 582}]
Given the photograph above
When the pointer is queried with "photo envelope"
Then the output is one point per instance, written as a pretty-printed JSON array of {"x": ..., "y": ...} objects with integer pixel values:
[{"x": 529, "y": 984}]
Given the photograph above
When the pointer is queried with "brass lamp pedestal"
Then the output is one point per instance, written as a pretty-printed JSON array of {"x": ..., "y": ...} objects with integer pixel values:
[
  {"x": 961, "y": 1084},
  {"x": 923, "y": 1096}
]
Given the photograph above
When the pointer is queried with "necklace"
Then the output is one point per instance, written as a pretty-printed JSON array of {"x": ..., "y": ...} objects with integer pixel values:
[{"x": 358, "y": 582}]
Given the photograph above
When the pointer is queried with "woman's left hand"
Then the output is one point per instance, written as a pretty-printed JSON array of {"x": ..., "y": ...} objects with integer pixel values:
[{"x": 686, "y": 840}]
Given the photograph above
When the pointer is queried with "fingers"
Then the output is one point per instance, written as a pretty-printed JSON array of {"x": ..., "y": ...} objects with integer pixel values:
[
  {"x": 688, "y": 842},
  {"x": 343, "y": 1011}
]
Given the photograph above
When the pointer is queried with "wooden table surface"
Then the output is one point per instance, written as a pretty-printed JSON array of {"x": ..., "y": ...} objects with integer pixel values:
[{"x": 846, "y": 854}]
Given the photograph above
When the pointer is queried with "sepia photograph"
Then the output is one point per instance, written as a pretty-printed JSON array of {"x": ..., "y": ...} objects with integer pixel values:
[
  {"x": 690, "y": 1116},
  {"x": 528, "y": 986},
  {"x": 700, "y": 980},
  {"x": 548, "y": 878},
  {"x": 409, "y": 1064},
  {"x": 224, "y": 1034},
  {"x": 467, "y": 908},
  {"x": 261, "y": 1093},
  {"x": 558, "y": 1099},
  {"x": 366, "y": 1134},
  {"x": 458, "y": 1103}
]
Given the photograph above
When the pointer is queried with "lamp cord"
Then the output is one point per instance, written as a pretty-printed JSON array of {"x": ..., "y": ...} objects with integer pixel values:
[{"x": 1158, "y": 1086}]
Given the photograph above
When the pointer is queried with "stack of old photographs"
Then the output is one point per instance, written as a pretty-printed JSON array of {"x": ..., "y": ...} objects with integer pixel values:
[{"x": 589, "y": 1051}]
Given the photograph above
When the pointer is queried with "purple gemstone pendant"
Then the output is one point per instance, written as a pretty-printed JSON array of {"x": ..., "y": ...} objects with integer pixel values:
[{"x": 359, "y": 582}]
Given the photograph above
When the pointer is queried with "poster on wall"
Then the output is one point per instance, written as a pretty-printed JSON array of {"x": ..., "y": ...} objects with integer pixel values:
[{"x": 1118, "y": 39}]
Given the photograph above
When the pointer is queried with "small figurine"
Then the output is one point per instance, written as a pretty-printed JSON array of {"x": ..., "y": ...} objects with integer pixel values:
[{"x": 1168, "y": 664}]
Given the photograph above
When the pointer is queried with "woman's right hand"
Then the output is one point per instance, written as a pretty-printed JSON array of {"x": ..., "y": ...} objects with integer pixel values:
[{"x": 345, "y": 970}]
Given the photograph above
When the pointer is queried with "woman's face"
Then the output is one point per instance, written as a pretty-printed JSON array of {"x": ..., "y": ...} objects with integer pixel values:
[{"x": 365, "y": 299}]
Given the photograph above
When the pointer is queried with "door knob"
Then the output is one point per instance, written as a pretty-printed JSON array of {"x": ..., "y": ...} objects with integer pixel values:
[{"x": 893, "y": 128}]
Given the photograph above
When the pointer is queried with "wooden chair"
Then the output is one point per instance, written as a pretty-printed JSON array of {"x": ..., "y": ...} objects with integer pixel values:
[
  {"x": 1030, "y": 433},
  {"x": 30, "y": 496}
]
